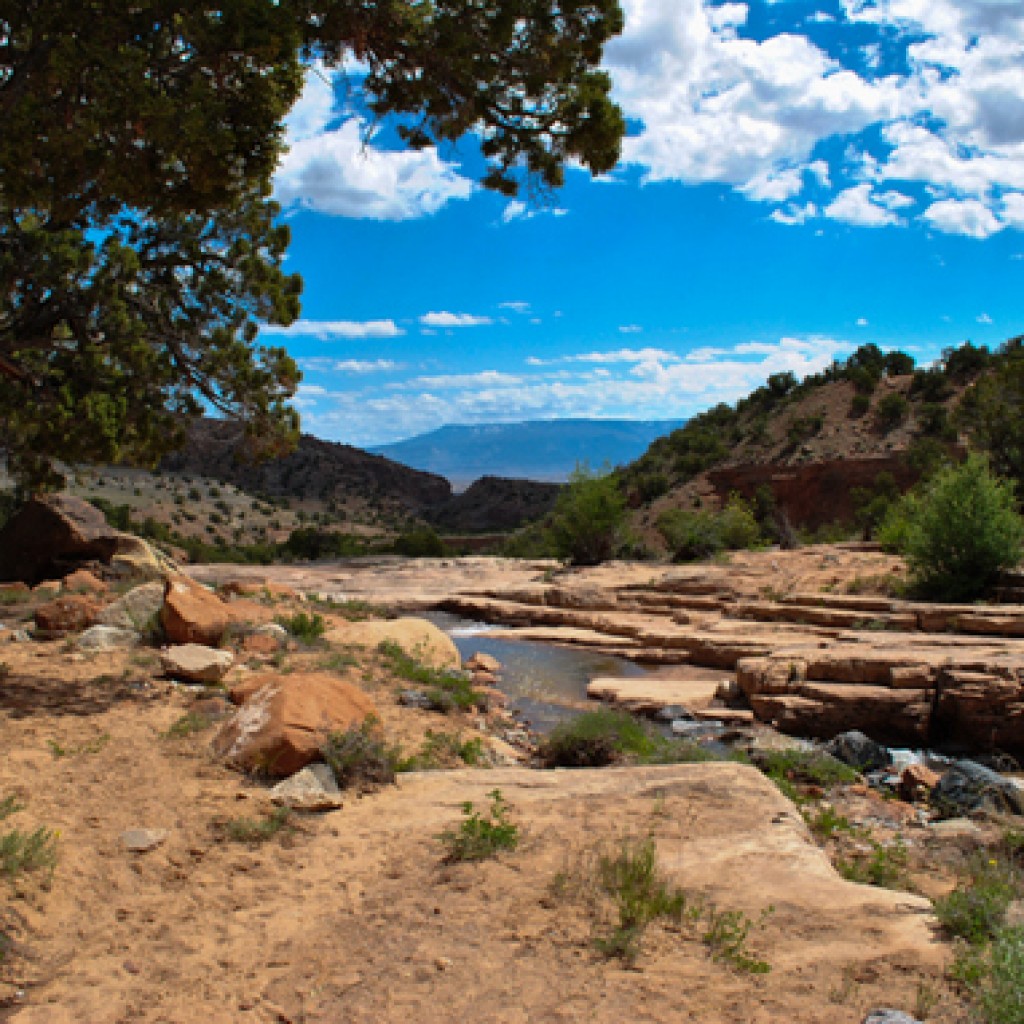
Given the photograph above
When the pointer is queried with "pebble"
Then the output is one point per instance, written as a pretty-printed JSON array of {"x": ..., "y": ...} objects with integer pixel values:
[{"x": 142, "y": 840}]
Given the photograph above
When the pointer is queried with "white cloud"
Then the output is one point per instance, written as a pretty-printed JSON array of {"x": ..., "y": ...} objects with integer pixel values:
[
  {"x": 445, "y": 319},
  {"x": 346, "y": 366},
  {"x": 325, "y": 330},
  {"x": 862, "y": 321},
  {"x": 857, "y": 206},
  {"x": 984, "y": 318},
  {"x": 968, "y": 217},
  {"x": 658, "y": 385},
  {"x": 719, "y": 106},
  {"x": 516, "y": 307},
  {"x": 335, "y": 169},
  {"x": 515, "y": 209},
  {"x": 630, "y": 329}
]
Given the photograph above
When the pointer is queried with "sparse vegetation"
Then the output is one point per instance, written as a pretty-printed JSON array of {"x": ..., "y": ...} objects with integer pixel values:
[
  {"x": 446, "y": 689},
  {"x": 25, "y": 851},
  {"x": 93, "y": 746},
  {"x": 586, "y": 525},
  {"x": 884, "y": 865},
  {"x": 789, "y": 769},
  {"x": 189, "y": 724},
  {"x": 608, "y": 736},
  {"x": 442, "y": 749},
  {"x": 360, "y": 758},
  {"x": 255, "y": 831},
  {"x": 479, "y": 837}
]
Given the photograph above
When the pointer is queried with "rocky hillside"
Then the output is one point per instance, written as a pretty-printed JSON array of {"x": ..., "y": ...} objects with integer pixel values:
[
  {"x": 324, "y": 470},
  {"x": 815, "y": 448},
  {"x": 494, "y": 503}
]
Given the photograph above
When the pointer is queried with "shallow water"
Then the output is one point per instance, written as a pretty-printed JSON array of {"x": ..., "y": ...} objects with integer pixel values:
[{"x": 545, "y": 683}]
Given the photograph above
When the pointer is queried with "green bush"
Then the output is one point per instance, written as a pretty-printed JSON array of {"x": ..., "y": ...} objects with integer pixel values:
[
  {"x": 304, "y": 626},
  {"x": 958, "y": 533},
  {"x": 696, "y": 534},
  {"x": 447, "y": 689},
  {"x": 607, "y": 736},
  {"x": 587, "y": 521},
  {"x": 360, "y": 757},
  {"x": 891, "y": 411},
  {"x": 859, "y": 405},
  {"x": 420, "y": 543},
  {"x": 479, "y": 837},
  {"x": 976, "y": 910}
]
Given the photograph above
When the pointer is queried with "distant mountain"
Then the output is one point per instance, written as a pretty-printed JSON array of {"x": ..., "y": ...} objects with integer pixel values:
[{"x": 536, "y": 450}]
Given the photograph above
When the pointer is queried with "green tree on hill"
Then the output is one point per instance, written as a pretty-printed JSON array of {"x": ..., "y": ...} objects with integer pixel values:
[
  {"x": 139, "y": 249},
  {"x": 588, "y": 518}
]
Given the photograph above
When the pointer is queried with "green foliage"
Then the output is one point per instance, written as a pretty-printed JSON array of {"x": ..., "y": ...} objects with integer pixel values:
[
  {"x": 884, "y": 866},
  {"x": 693, "y": 534},
  {"x": 803, "y": 428},
  {"x": 872, "y": 505},
  {"x": 791, "y": 768},
  {"x": 479, "y": 837},
  {"x": 140, "y": 252},
  {"x": 976, "y": 910},
  {"x": 726, "y": 935},
  {"x": 859, "y": 405},
  {"x": 254, "y": 831},
  {"x": 360, "y": 757},
  {"x": 441, "y": 749},
  {"x": 309, "y": 543},
  {"x": 826, "y": 823},
  {"x": 1000, "y": 992},
  {"x": 303, "y": 626},
  {"x": 891, "y": 411},
  {"x": 640, "y": 893},
  {"x": 958, "y": 532},
  {"x": 25, "y": 851},
  {"x": 607, "y": 736},
  {"x": 447, "y": 689},
  {"x": 93, "y": 746},
  {"x": 588, "y": 518},
  {"x": 419, "y": 543},
  {"x": 189, "y": 724}
]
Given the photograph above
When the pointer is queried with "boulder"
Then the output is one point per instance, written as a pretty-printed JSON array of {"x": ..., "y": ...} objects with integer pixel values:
[
  {"x": 968, "y": 786},
  {"x": 138, "y": 610},
  {"x": 107, "y": 638},
  {"x": 191, "y": 614},
  {"x": 83, "y": 581},
  {"x": 312, "y": 789},
  {"x": 51, "y": 535},
  {"x": 858, "y": 751},
  {"x": 419, "y": 639},
  {"x": 283, "y": 720},
  {"x": 195, "y": 663},
  {"x": 67, "y": 614}
]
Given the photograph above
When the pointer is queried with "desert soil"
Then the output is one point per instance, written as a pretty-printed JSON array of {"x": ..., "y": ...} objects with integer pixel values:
[{"x": 355, "y": 916}]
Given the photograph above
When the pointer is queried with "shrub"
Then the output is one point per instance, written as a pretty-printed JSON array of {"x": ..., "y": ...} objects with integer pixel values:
[
  {"x": 360, "y": 757},
  {"x": 479, "y": 837},
  {"x": 257, "y": 830},
  {"x": 976, "y": 910},
  {"x": 304, "y": 626},
  {"x": 891, "y": 411},
  {"x": 859, "y": 405},
  {"x": 25, "y": 851},
  {"x": 587, "y": 520},
  {"x": 737, "y": 525},
  {"x": 606, "y": 736},
  {"x": 419, "y": 543},
  {"x": 690, "y": 534},
  {"x": 959, "y": 532}
]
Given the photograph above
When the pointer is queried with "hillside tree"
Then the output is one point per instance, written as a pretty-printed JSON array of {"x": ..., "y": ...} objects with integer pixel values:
[{"x": 140, "y": 248}]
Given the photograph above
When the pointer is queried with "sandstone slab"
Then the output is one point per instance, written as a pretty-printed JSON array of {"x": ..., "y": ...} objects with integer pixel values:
[
  {"x": 419, "y": 639},
  {"x": 195, "y": 663},
  {"x": 648, "y": 694}
]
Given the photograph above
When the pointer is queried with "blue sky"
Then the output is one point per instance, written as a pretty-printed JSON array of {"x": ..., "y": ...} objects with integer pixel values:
[{"x": 801, "y": 177}]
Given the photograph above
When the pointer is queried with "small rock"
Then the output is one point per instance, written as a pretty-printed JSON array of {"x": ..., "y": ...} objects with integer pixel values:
[
  {"x": 968, "y": 786},
  {"x": 415, "y": 699},
  {"x": 83, "y": 581},
  {"x": 673, "y": 713},
  {"x": 20, "y": 636},
  {"x": 312, "y": 789},
  {"x": 142, "y": 840},
  {"x": 195, "y": 663},
  {"x": 917, "y": 780},
  {"x": 107, "y": 638},
  {"x": 274, "y": 630},
  {"x": 480, "y": 662},
  {"x": 482, "y": 678},
  {"x": 956, "y": 828},
  {"x": 67, "y": 614},
  {"x": 443, "y": 963},
  {"x": 47, "y": 587},
  {"x": 260, "y": 643},
  {"x": 696, "y": 729},
  {"x": 858, "y": 751},
  {"x": 729, "y": 693},
  {"x": 889, "y": 1017}
]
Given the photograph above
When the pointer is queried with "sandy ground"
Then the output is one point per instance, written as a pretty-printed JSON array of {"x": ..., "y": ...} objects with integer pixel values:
[{"x": 354, "y": 917}]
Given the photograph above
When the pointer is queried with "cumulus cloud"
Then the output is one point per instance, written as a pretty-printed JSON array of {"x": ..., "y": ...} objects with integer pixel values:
[
  {"x": 515, "y": 209},
  {"x": 344, "y": 366},
  {"x": 715, "y": 105},
  {"x": 445, "y": 319},
  {"x": 515, "y": 307},
  {"x": 335, "y": 168},
  {"x": 325, "y": 330},
  {"x": 969, "y": 217},
  {"x": 857, "y": 206}
]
